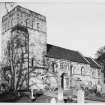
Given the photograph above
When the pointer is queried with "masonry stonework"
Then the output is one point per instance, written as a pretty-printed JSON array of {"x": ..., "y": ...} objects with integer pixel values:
[{"x": 29, "y": 28}]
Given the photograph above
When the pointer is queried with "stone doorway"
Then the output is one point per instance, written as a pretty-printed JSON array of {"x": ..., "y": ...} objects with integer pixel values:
[{"x": 64, "y": 81}]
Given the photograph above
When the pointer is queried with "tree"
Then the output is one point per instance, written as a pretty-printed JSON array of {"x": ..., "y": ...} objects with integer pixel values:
[
  {"x": 101, "y": 58},
  {"x": 17, "y": 59},
  {"x": 9, "y": 5},
  {"x": 16, "y": 49}
]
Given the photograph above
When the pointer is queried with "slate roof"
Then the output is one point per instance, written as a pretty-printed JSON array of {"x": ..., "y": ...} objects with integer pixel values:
[
  {"x": 62, "y": 53},
  {"x": 92, "y": 62}
]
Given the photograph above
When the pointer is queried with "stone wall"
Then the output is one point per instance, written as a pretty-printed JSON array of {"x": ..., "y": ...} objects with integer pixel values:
[{"x": 78, "y": 71}]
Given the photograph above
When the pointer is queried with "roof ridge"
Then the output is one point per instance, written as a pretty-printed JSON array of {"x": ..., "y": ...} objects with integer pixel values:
[
  {"x": 95, "y": 62},
  {"x": 83, "y": 57},
  {"x": 92, "y": 62},
  {"x": 62, "y": 47}
]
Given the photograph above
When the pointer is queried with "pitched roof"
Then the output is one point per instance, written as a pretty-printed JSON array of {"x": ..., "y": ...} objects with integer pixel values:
[
  {"x": 62, "y": 53},
  {"x": 92, "y": 62}
]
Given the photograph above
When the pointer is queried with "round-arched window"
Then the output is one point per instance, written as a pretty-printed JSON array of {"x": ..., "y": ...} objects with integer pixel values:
[{"x": 82, "y": 70}]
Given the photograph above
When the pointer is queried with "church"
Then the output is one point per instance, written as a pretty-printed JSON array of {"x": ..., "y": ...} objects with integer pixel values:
[{"x": 25, "y": 51}]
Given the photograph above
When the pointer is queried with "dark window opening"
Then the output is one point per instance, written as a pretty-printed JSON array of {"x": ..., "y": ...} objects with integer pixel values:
[
  {"x": 104, "y": 78},
  {"x": 82, "y": 70},
  {"x": 38, "y": 26},
  {"x": 53, "y": 66}
]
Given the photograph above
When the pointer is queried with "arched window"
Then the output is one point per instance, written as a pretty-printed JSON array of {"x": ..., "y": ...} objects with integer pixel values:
[
  {"x": 38, "y": 26},
  {"x": 71, "y": 72},
  {"x": 54, "y": 66},
  {"x": 82, "y": 70},
  {"x": 61, "y": 65},
  {"x": 74, "y": 69}
]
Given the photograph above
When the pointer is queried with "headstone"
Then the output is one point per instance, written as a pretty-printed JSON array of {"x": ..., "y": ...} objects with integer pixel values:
[
  {"x": 32, "y": 94},
  {"x": 99, "y": 88},
  {"x": 60, "y": 90},
  {"x": 60, "y": 95},
  {"x": 53, "y": 100},
  {"x": 80, "y": 96}
]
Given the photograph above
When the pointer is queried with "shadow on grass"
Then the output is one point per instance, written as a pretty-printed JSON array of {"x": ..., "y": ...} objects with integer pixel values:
[{"x": 9, "y": 97}]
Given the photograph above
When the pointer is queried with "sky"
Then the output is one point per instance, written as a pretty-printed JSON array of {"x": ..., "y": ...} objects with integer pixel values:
[{"x": 75, "y": 25}]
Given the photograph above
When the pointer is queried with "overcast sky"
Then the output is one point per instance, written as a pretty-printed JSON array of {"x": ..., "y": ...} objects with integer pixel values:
[{"x": 72, "y": 25}]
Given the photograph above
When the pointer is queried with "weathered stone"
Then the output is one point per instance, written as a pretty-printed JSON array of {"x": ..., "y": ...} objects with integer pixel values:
[{"x": 19, "y": 23}]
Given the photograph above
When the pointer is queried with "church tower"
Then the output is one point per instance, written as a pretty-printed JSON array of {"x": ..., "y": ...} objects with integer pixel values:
[{"x": 24, "y": 39}]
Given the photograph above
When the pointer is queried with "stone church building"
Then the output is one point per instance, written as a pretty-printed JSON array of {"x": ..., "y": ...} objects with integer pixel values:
[
  {"x": 25, "y": 51},
  {"x": 75, "y": 66}
]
